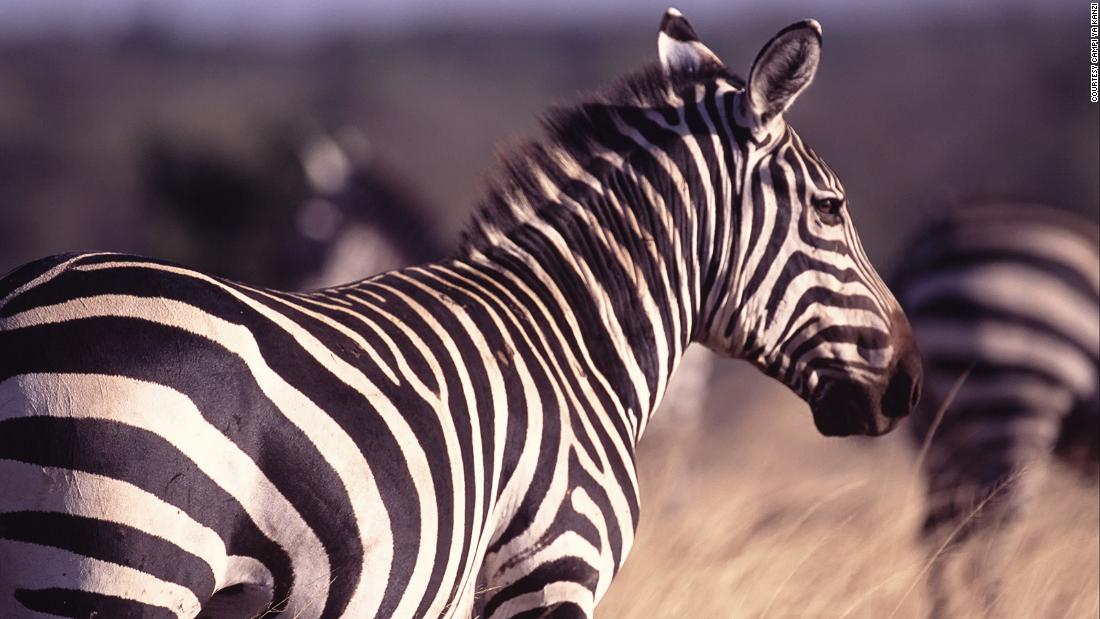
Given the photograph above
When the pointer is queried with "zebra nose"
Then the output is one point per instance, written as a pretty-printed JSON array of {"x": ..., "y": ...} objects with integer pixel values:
[{"x": 903, "y": 392}]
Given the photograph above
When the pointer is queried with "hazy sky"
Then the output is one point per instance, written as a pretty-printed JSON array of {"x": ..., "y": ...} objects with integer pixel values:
[{"x": 220, "y": 18}]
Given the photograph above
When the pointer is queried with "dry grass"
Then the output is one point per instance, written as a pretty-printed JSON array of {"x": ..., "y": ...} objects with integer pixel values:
[{"x": 765, "y": 518}]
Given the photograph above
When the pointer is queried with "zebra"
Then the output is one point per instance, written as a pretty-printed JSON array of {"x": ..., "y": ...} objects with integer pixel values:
[
  {"x": 455, "y": 438},
  {"x": 1007, "y": 297},
  {"x": 320, "y": 208},
  {"x": 360, "y": 220}
]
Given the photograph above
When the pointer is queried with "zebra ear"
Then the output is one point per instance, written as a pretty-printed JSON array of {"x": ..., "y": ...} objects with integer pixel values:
[
  {"x": 679, "y": 47},
  {"x": 783, "y": 69}
]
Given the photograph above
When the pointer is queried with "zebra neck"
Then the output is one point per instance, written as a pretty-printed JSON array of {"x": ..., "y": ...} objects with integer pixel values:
[
  {"x": 610, "y": 263},
  {"x": 628, "y": 210}
]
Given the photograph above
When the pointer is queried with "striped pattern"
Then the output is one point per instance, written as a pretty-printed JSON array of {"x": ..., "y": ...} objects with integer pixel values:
[
  {"x": 377, "y": 226},
  {"x": 451, "y": 438},
  {"x": 1012, "y": 294},
  {"x": 1009, "y": 294},
  {"x": 1004, "y": 301}
]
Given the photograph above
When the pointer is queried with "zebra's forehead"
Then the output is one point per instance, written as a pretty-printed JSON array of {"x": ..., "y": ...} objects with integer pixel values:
[{"x": 819, "y": 173}]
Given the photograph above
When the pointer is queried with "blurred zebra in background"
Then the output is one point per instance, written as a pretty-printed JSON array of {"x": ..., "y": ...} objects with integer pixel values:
[
  {"x": 361, "y": 219},
  {"x": 1005, "y": 298},
  {"x": 682, "y": 414},
  {"x": 309, "y": 209},
  {"x": 453, "y": 438}
]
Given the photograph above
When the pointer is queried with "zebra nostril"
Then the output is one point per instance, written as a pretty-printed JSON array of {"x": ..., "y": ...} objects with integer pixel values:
[{"x": 901, "y": 394}]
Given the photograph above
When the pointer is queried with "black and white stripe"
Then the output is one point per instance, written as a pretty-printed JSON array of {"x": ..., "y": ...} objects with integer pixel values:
[
  {"x": 1011, "y": 295},
  {"x": 451, "y": 438},
  {"x": 362, "y": 220}
]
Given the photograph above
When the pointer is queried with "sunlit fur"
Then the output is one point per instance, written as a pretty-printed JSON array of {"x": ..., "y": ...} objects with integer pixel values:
[{"x": 445, "y": 439}]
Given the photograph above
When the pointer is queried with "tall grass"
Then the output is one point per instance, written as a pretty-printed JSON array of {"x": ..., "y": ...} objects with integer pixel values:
[{"x": 765, "y": 518}]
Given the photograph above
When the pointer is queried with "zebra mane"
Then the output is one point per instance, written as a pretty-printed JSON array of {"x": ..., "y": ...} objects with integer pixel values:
[{"x": 514, "y": 194}]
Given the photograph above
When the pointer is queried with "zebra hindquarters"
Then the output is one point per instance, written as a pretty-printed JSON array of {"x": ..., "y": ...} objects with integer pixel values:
[{"x": 98, "y": 513}]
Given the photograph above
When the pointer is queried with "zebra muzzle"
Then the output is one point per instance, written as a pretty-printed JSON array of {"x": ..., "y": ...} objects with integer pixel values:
[{"x": 844, "y": 407}]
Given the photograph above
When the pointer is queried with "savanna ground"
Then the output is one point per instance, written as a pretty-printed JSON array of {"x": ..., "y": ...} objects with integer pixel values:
[{"x": 760, "y": 516}]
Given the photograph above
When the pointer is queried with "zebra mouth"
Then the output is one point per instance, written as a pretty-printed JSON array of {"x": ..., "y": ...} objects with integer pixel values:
[{"x": 844, "y": 408}]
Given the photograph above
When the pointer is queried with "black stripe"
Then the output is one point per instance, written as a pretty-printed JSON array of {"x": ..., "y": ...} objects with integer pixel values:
[
  {"x": 969, "y": 314},
  {"x": 304, "y": 313},
  {"x": 579, "y": 301},
  {"x": 572, "y": 520},
  {"x": 780, "y": 236},
  {"x": 111, "y": 542},
  {"x": 91, "y": 446},
  {"x": 678, "y": 28},
  {"x": 565, "y": 569},
  {"x": 797, "y": 264},
  {"x": 959, "y": 260},
  {"x": 728, "y": 150},
  {"x": 382, "y": 315},
  {"x": 84, "y": 604},
  {"x": 21, "y": 275},
  {"x": 563, "y": 610},
  {"x": 515, "y": 396},
  {"x": 818, "y": 171},
  {"x": 863, "y": 338},
  {"x": 428, "y": 428},
  {"x": 954, "y": 364},
  {"x": 819, "y": 295},
  {"x": 143, "y": 282}
]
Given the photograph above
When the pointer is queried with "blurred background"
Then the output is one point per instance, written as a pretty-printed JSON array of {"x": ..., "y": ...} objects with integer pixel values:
[
  {"x": 176, "y": 130},
  {"x": 917, "y": 105}
]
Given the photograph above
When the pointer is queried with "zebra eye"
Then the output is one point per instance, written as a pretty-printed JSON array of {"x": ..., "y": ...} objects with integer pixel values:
[{"x": 828, "y": 209}]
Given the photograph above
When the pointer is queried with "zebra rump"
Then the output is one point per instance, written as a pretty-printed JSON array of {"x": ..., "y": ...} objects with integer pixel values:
[{"x": 1005, "y": 298}]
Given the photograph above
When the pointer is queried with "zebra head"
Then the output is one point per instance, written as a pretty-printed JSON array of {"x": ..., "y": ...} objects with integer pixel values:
[{"x": 790, "y": 287}]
